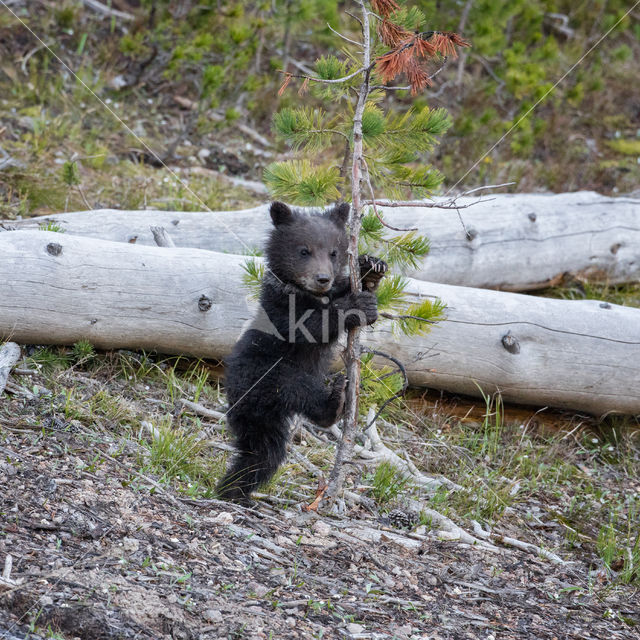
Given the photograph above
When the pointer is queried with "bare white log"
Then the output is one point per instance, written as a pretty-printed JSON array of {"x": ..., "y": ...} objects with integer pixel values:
[
  {"x": 581, "y": 355},
  {"x": 516, "y": 242},
  {"x": 9, "y": 355},
  {"x": 58, "y": 289}
]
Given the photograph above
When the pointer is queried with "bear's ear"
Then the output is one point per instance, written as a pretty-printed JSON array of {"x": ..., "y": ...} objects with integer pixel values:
[
  {"x": 340, "y": 214},
  {"x": 280, "y": 213}
]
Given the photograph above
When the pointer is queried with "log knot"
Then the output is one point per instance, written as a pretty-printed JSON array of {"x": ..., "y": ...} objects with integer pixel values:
[
  {"x": 54, "y": 249},
  {"x": 510, "y": 343},
  {"x": 204, "y": 303}
]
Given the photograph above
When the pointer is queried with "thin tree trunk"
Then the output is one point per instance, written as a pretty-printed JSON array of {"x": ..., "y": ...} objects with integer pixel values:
[{"x": 352, "y": 351}]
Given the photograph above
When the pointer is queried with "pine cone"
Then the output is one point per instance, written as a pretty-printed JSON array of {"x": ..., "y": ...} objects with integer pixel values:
[{"x": 402, "y": 519}]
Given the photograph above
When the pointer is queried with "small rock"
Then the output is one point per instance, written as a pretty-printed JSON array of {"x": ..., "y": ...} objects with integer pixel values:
[
  {"x": 212, "y": 615},
  {"x": 118, "y": 82},
  {"x": 46, "y": 601},
  {"x": 321, "y": 528},
  {"x": 224, "y": 517},
  {"x": 258, "y": 589},
  {"x": 130, "y": 545},
  {"x": 404, "y": 631},
  {"x": 204, "y": 153},
  {"x": 354, "y": 628},
  {"x": 253, "y": 609}
]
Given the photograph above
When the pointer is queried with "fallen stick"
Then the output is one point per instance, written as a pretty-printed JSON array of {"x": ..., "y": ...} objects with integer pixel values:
[{"x": 58, "y": 289}]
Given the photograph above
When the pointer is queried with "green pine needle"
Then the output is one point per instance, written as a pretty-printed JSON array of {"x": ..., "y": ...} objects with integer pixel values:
[
  {"x": 391, "y": 294},
  {"x": 330, "y": 68},
  {"x": 396, "y": 155},
  {"x": 407, "y": 250},
  {"x": 253, "y": 276},
  {"x": 378, "y": 384},
  {"x": 418, "y": 318},
  {"x": 373, "y": 123},
  {"x": 411, "y": 18},
  {"x": 304, "y": 127},
  {"x": 301, "y": 183},
  {"x": 70, "y": 175},
  {"x": 425, "y": 177},
  {"x": 417, "y": 129},
  {"x": 371, "y": 232}
]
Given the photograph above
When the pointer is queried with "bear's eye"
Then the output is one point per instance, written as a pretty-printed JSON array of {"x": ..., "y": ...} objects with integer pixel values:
[
  {"x": 334, "y": 253},
  {"x": 304, "y": 252}
]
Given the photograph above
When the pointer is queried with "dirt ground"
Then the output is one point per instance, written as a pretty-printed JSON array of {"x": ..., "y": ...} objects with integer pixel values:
[{"x": 100, "y": 553}]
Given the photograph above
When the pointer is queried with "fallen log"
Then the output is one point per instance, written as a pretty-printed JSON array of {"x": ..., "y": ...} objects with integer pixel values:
[
  {"x": 515, "y": 242},
  {"x": 58, "y": 288}
]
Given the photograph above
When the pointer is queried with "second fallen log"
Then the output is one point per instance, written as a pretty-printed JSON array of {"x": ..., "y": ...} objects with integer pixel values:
[{"x": 515, "y": 242}]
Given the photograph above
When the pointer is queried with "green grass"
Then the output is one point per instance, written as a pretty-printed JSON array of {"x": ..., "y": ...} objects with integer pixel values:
[
  {"x": 577, "y": 480},
  {"x": 388, "y": 483},
  {"x": 583, "y": 482},
  {"x": 622, "y": 294},
  {"x": 179, "y": 455}
]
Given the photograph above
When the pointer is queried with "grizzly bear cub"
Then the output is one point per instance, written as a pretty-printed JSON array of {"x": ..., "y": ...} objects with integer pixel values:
[{"x": 279, "y": 366}]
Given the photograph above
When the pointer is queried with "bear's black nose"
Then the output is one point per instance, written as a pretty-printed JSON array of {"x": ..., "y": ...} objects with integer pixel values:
[{"x": 323, "y": 278}]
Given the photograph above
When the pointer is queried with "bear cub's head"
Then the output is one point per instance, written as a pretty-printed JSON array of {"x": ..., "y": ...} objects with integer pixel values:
[{"x": 308, "y": 250}]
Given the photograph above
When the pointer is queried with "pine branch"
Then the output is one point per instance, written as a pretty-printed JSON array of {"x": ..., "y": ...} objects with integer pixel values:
[
  {"x": 398, "y": 394},
  {"x": 358, "y": 44},
  {"x": 448, "y": 204},
  {"x": 375, "y": 208},
  {"x": 299, "y": 182},
  {"x": 341, "y": 80}
]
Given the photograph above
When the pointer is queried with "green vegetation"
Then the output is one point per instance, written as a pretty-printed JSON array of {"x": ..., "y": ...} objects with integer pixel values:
[
  {"x": 184, "y": 77},
  {"x": 388, "y": 483},
  {"x": 568, "y": 485}
]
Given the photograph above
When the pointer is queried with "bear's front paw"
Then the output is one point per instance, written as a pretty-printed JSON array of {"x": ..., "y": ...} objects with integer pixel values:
[
  {"x": 372, "y": 270},
  {"x": 367, "y": 303}
]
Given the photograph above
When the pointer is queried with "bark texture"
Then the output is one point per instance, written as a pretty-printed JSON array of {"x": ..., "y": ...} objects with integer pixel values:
[
  {"x": 58, "y": 289},
  {"x": 516, "y": 242}
]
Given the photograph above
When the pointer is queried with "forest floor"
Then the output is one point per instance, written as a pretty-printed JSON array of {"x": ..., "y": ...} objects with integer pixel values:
[
  {"x": 105, "y": 512},
  {"x": 108, "y": 527}
]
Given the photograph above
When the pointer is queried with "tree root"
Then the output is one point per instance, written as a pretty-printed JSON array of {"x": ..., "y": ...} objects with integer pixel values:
[
  {"x": 375, "y": 450},
  {"x": 513, "y": 542}
]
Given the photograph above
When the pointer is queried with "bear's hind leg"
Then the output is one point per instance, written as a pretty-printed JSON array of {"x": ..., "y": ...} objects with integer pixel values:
[
  {"x": 315, "y": 401},
  {"x": 261, "y": 450}
]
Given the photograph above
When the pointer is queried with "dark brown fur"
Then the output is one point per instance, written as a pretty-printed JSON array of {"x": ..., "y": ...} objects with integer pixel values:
[{"x": 279, "y": 367}]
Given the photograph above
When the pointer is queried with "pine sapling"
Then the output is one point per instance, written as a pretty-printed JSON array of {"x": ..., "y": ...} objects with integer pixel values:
[{"x": 377, "y": 150}]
